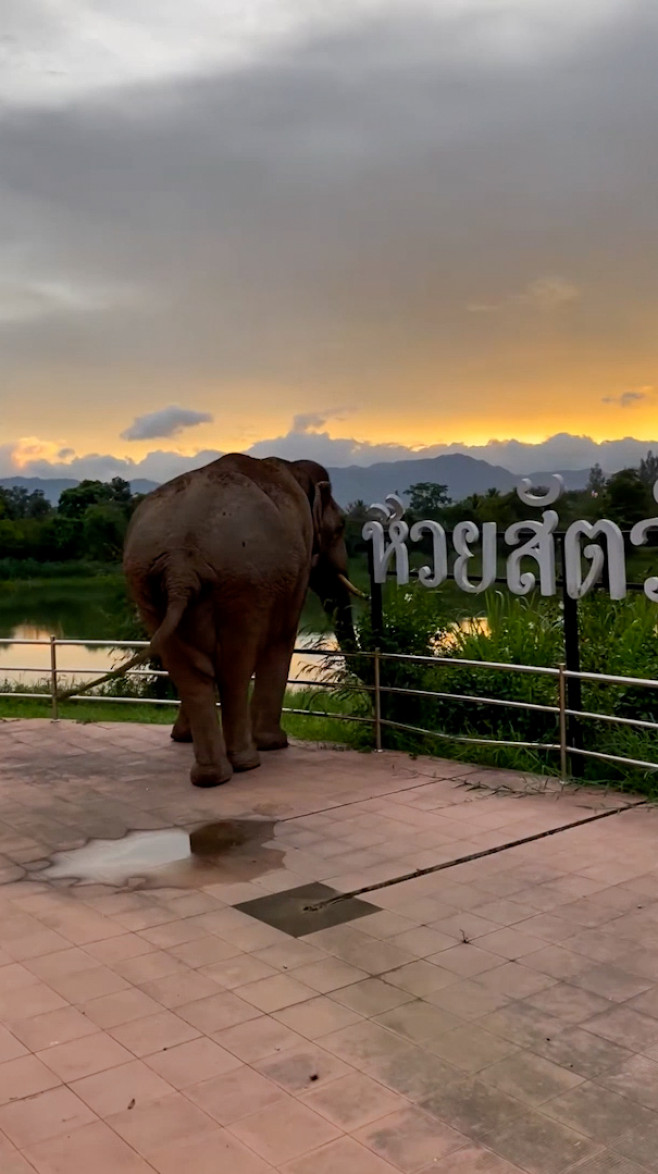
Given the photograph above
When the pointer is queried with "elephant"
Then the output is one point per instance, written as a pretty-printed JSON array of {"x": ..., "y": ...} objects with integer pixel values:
[{"x": 218, "y": 562}]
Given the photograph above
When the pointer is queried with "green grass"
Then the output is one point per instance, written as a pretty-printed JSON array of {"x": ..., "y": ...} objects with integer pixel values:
[
  {"x": 312, "y": 728},
  {"x": 15, "y": 571}
]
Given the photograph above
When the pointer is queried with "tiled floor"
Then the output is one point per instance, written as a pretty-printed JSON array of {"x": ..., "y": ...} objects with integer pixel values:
[{"x": 497, "y": 1016}]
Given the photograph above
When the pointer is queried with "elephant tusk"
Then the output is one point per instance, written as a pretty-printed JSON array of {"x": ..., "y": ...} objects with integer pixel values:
[{"x": 351, "y": 588}]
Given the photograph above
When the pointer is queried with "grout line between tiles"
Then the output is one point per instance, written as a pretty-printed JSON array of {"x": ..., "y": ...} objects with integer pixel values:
[{"x": 398, "y": 880}]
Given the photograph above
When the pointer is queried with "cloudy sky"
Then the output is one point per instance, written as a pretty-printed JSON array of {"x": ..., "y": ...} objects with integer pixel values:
[{"x": 342, "y": 230}]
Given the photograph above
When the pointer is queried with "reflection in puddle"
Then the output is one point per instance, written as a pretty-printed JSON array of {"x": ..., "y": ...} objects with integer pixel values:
[{"x": 228, "y": 851}]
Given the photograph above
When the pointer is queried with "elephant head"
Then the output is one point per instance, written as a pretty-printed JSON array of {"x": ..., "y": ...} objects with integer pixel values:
[{"x": 328, "y": 577}]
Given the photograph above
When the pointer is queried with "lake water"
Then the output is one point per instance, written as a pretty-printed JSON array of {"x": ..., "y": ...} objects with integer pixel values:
[
  {"x": 29, "y": 664},
  {"x": 97, "y": 609}
]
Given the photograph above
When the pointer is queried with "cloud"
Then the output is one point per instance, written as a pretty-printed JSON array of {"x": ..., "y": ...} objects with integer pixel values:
[
  {"x": 302, "y": 221},
  {"x": 26, "y": 299},
  {"x": 53, "y": 53},
  {"x": 312, "y": 421},
  {"x": 544, "y": 294},
  {"x": 31, "y": 460},
  {"x": 165, "y": 422},
  {"x": 548, "y": 292},
  {"x": 32, "y": 457},
  {"x": 628, "y": 398},
  {"x": 322, "y": 215},
  {"x": 562, "y": 451}
]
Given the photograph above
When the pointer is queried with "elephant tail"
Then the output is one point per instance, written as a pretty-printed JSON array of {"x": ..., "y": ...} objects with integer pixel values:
[
  {"x": 176, "y": 608},
  {"x": 179, "y": 597}
]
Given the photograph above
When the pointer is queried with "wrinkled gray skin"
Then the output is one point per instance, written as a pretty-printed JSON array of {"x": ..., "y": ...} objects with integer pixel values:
[{"x": 218, "y": 562}]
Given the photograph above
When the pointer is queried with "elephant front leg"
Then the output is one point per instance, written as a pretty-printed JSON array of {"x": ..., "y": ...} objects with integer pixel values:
[{"x": 272, "y": 673}]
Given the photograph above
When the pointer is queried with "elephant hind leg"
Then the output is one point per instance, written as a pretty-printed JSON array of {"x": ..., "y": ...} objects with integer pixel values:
[
  {"x": 196, "y": 690},
  {"x": 181, "y": 729},
  {"x": 234, "y": 670},
  {"x": 212, "y": 766}
]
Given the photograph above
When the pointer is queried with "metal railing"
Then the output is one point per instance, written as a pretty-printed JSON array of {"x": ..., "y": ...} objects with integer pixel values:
[{"x": 378, "y": 691}]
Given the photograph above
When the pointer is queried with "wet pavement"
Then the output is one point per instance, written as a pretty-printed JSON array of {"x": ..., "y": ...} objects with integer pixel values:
[{"x": 183, "y": 980}]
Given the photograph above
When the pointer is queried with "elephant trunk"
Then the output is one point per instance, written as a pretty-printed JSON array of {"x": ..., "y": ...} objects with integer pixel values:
[
  {"x": 335, "y": 599},
  {"x": 334, "y": 595},
  {"x": 343, "y": 621}
]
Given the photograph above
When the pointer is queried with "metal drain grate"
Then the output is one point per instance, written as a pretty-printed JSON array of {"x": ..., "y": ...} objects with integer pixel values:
[{"x": 301, "y": 911}]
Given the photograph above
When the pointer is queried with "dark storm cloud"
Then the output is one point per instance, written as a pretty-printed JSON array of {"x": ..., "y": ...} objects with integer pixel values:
[{"x": 335, "y": 212}]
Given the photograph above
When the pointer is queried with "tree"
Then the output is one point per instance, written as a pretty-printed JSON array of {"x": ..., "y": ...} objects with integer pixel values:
[
  {"x": 103, "y": 530},
  {"x": 596, "y": 482},
  {"x": 357, "y": 511},
  {"x": 16, "y": 503},
  {"x": 427, "y": 497},
  {"x": 75, "y": 502},
  {"x": 63, "y": 538},
  {"x": 649, "y": 469},
  {"x": 120, "y": 492},
  {"x": 627, "y": 498}
]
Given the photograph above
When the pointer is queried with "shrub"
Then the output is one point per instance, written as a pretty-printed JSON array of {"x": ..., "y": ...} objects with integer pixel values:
[{"x": 617, "y": 638}]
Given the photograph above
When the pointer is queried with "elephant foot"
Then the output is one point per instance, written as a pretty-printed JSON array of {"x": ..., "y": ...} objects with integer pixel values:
[
  {"x": 210, "y": 776},
  {"x": 245, "y": 760},
  {"x": 181, "y": 729},
  {"x": 182, "y": 735},
  {"x": 275, "y": 741}
]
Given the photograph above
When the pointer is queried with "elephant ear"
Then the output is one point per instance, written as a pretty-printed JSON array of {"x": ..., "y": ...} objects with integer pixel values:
[{"x": 321, "y": 499}]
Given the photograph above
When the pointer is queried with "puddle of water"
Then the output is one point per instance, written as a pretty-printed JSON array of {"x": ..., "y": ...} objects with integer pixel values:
[{"x": 227, "y": 851}]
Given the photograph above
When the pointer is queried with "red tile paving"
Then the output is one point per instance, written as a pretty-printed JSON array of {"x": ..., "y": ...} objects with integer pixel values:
[{"x": 496, "y": 1017}]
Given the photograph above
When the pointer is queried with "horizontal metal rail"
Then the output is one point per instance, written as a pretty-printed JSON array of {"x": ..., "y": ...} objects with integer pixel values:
[
  {"x": 122, "y": 700},
  {"x": 475, "y": 741},
  {"x": 50, "y": 673},
  {"x": 14, "y": 668},
  {"x": 340, "y": 717},
  {"x": 313, "y": 684},
  {"x": 339, "y": 654},
  {"x": 616, "y": 758},
  {"x": 613, "y": 717},
  {"x": 468, "y": 697},
  {"x": 610, "y": 679},
  {"x": 539, "y": 670}
]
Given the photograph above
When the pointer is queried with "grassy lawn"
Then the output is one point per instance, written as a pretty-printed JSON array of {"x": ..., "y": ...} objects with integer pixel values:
[{"x": 311, "y": 728}]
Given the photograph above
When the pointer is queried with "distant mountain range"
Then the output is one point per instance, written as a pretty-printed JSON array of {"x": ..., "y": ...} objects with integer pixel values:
[{"x": 463, "y": 476}]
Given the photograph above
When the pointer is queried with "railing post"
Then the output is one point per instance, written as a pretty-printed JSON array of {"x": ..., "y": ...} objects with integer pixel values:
[
  {"x": 376, "y": 600},
  {"x": 562, "y": 703},
  {"x": 572, "y": 662},
  {"x": 378, "y": 703},
  {"x": 53, "y": 678}
]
